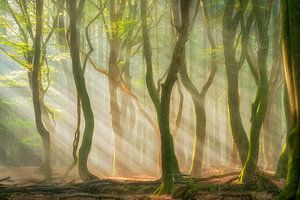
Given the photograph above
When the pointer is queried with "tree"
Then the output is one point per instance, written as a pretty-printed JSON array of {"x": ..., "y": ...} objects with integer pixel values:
[
  {"x": 231, "y": 21},
  {"x": 121, "y": 38},
  {"x": 282, "y": 165},
  {"x": 162, "y": 101},
  {"x": 35, "y": 89},
  {"x": 25, "y": 47},
  {"x": 271, "y": 131},
  {"x": 75, "y": 12},
  {"x": 258, "y": 67},
  {"x": 290, "y": 27},
  {"x": 199, "y": 97}
]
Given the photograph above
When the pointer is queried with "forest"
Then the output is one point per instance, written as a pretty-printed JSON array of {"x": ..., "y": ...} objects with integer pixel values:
[{"x": 157, "y": 99}]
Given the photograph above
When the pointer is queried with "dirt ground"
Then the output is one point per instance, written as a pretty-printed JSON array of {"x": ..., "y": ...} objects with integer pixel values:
[{"x": 26, "y": 183}]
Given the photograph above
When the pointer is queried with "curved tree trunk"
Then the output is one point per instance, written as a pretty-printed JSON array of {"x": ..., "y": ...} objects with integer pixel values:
[
  {"x": 179, "y": 152},
  {"x": 230, "y": 24},
  {"x": 35, "y": 85},
  {"x": 290, "y": 28},
  {"x": 162, "y": 104},
  {"x": 118, "y": 41},
  {"x": 128, "y": 116},
  {"x": 86, "y": 143},
  {"x": 199, "y": 99},
  {"x": 282, "y": 166},
  {"x": 199, "y": 141},
  {"x": 259, "y": 107},
  {"x": 115, "y": 110},
  {"x": 270, "y": 143},
  {"x": 200, "y": 134}
]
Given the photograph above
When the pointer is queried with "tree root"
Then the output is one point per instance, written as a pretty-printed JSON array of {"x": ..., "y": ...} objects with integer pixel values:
[
  {"x": 5, "y": 179},
  {"x": 111, "y": 189},
  {"x": 232, "y": 179},
  {"x": 164, "y": 189},
  {"x": 219, "y": 176},
  {"x": 98, "y": 196}
]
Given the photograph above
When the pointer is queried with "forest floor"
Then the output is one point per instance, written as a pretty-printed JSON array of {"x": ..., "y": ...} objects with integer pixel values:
[{"x": 26, "y": 184}]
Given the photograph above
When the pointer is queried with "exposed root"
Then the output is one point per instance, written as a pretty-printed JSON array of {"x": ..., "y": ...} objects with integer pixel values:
[
  {"x": 6, "y": 179},
  {"x": 112, "y": 189},
  {"x": 218, "y": 176},
  {"x": 232, "y": 179},
  {"x": 164, "y": 189},
  {"x": 87, "y": 195}
]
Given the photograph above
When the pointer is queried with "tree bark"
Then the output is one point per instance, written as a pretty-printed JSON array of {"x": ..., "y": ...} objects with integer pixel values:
[
  {"x": 162, "y": 104},
  {"x": 86, "y": 144},
  {"x": 199, "y": 99},
  {"x": 114, "y": 106},
  {"x": 282, "y": 166},
  {"x": 270, "y": 143},
  {"x": 230, "y": 25},
  {"x": 290, "y": 28},
  {"x": 259, "y": 106},
  {"x": 35, "y": 85}
]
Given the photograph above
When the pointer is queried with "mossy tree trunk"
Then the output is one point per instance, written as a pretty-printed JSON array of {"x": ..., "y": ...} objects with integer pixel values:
[
  {"x": 270, "y": 143},
  {"x": 258, "y": 68},
  {"x": 162, "y": 101},
  {"x": 290, "y": 28},
  {"x": 35, "y": 85},
  {"x": 231, "y": 21},
  {"x": 86, "y": 144},
  {"x": 41, "y": 110},
  {"x": 175, "y": 11},
  {"x": 282, "y": 165}
]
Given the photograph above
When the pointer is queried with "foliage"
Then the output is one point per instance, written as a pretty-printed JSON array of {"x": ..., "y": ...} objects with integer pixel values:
[{"x": 13, "y": 79}]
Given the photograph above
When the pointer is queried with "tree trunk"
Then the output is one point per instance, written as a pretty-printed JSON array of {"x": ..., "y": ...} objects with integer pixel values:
[
  {"x": 282, "y": 166},
  {"x": 116, "y": 15},
  {"x": 199, "y": 141},
  {"x": 199, "y": 100},
  {"x": 162, "y": 104},
  {"x": 129, "y": 118},
  {"x": 35, "y": 85},
  {"x": 115, "y": 108},
  {"x": 269, "y": 130},
  {"x": 217, "y": 139},
  {"x": 232, "y": 72},
  {"x": 290, "y": 28},
  {"x": 259, "y": 107},
  {"x": 200, "y": 133},
  {"x": 87, "y": 138}
]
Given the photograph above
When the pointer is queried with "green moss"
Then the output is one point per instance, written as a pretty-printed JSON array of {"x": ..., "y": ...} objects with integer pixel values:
[{"x": 281, "y": 170}]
